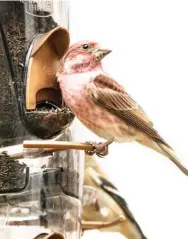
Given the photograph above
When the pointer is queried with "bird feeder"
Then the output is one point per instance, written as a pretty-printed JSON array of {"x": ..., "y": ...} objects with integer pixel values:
[{"x": 40, "y": 194}]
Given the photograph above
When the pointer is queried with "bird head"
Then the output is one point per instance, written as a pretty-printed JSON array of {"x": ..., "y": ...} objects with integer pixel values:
[{"x": 83, "y": 56}]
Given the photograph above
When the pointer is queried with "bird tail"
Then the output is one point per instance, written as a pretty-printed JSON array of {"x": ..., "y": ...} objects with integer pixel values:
[
  {"x": 169, "y": 152},
  {"x": 163, "y": 148}
]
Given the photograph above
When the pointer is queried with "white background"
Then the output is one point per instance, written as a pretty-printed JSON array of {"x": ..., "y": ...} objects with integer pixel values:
[{"x": 149, "y": 40}]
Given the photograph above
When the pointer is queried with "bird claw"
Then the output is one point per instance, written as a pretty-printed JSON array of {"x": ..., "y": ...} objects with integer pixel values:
[{"x": 100, "y": 149}]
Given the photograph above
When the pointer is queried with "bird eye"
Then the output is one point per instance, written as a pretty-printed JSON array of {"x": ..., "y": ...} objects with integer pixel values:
[{"x": 85, "y": 46}]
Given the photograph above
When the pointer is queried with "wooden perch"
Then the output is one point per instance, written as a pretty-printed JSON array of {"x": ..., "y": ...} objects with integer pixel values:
[
  {"x": 20, "y": 151},
  {"x": 89, "y": 225},
  {"x": 17, "y": 152},
  {"x": 36, "y": 148},
  {"x": 101, "y": 149},
  {"x": 57, "y": 145}
]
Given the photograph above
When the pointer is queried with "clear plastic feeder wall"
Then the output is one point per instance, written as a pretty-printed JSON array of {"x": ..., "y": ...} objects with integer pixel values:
[{"x": 40, "y": 194}]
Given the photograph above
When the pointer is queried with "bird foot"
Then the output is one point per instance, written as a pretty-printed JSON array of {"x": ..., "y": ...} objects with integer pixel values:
[{"x": 100, "y": 149}]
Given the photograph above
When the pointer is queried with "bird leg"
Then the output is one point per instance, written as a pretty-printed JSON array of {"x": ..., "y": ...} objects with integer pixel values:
[{"x": 100, "y": 149}]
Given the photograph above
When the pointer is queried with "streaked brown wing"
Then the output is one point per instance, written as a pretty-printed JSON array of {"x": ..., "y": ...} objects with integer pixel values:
[
  {"x": 103, "y": 81},
  {"x": 110, "y": 95}
]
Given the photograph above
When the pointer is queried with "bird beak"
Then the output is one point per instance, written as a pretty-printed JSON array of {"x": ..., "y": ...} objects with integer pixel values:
[{"x": 99, "y": 54}]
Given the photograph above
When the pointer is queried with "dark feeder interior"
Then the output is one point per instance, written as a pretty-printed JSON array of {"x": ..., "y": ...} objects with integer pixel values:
[
  {"x": 40, "y": 103},
  {"x": 42, "y": 110}
]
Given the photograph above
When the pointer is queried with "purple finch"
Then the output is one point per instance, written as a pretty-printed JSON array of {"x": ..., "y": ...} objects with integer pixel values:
[{"x": 102, "y": 104}]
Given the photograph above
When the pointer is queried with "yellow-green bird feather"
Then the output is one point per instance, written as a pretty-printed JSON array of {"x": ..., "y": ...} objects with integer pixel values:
[{"x": 110, "y": 200}]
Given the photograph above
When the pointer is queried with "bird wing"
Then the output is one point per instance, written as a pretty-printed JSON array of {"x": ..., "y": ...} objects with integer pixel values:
[
  {"x": 112, "y": 191},
  {"x": 105, "y": 82},
  {"x": 112, "y": 96},
  {"x": 107, "y": 187}
]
